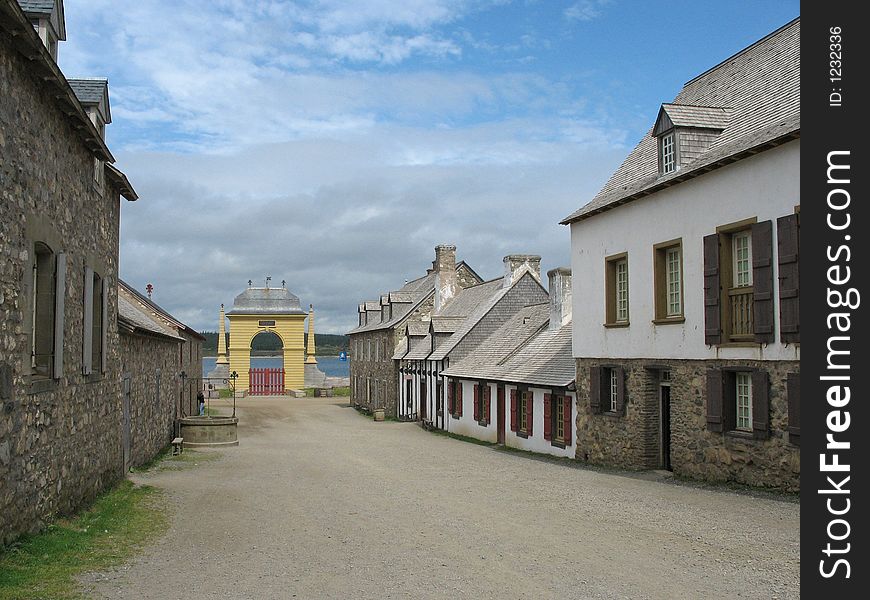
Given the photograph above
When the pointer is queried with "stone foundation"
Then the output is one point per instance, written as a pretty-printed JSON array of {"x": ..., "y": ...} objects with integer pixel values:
[{"x": 634, "y": 440}]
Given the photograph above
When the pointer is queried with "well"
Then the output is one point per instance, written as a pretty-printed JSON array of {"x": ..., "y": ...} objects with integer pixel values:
[{"x": 210, "y": 431}]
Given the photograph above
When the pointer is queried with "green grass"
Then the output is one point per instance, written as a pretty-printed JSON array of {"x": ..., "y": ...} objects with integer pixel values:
[
  {"x": 45, "y": 565},
  {"x": 225, "y": 393}
]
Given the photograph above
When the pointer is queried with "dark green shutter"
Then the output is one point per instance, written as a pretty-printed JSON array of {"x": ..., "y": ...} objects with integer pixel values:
[
  {"x": 712, "y": 293},
  {"x": 788, "y": 250},
  {"x": 714, "y": 400},
  {"x": 760, "y": 405},
  {"x": 762, "y": 281}
]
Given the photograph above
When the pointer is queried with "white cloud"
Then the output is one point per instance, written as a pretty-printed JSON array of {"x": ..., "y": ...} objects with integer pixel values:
[{"x": 585, "y": 10}]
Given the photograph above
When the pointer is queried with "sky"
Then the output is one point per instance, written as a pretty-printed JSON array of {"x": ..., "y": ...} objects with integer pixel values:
[{"x": 333, "y": 144}]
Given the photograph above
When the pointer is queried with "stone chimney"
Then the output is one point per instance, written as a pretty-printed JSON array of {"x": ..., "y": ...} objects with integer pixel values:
[
  {"x": 560, "y": 296},
  {"x": 446, "y": 281},
  {"x": 515, "y": 265}
]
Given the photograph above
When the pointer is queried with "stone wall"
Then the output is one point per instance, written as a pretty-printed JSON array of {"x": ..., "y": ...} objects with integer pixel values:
[
  {"x": 381, "y": 372},
  {"x": 149, "y": 368},
  {"x": 59, "y": 438},
  {"x": 633, "y": 440}
]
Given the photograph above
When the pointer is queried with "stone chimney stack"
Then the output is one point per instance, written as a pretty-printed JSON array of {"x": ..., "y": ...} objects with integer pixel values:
[
  {"x": 515, "y": 265},
  {"x": 560, "y": 296},
  {"x": 446, "y": 281}
]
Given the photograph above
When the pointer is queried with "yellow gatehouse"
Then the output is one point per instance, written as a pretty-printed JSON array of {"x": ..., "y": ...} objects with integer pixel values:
[{"x": 267, "y": 311}]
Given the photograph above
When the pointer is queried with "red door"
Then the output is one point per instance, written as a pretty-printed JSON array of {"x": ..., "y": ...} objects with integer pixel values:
[{"x": 499, "y": 410}]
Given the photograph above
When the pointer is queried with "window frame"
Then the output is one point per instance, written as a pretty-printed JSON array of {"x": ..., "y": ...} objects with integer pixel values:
[
  {"x": 668, "y": 141},
  {"x": 727, "y": 262},
  {"x": 42, "y": 314},
  {"x": 524, "y": 396},
  {"x": 611, "y": 290},
  {"x": 742, "y": 410},
  {"x": 661, "y": 283}
]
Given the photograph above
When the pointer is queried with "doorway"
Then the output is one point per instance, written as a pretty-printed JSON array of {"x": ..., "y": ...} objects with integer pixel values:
[
  {"x": 665, "y": 411},
  {"x": 126, "y": 424}
]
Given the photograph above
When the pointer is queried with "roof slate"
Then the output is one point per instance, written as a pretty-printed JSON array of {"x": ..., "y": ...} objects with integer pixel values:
[
  {"x": 760, "y": 87},
  {"x": 42, "y": 7},
  {"x": 709, "y": 117},
  {"x": 139, "y": 319},
  {"x": 545, "y": 360}
]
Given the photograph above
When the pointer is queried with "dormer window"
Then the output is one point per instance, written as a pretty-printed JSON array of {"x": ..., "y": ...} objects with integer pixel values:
[
  {"x": 668, "y": 152},
  {"x": 685, "y": 132}
]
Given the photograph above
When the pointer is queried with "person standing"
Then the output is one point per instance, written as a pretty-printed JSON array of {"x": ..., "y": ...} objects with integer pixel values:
[{"x": 201, "y": 399}]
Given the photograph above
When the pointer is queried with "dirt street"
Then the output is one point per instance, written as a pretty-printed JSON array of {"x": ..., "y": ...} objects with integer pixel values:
[{"x": 321, "y": 502}]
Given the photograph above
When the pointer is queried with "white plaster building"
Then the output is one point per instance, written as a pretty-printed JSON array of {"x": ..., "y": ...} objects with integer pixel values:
[{"x": 686, "y": 327}]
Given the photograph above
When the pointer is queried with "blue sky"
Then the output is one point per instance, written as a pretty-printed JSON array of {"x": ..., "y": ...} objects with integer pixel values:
[{"x": 334, "y": 144}]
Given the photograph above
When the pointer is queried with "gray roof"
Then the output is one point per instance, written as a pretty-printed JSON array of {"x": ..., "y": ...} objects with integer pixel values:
[
  {"x": 420, "y": 348},
  {"x": 489, "y": 295},
  {"x": 706, "y": 117},
  {"x": 759, "y": 87},
  {"x": 266, "y": 301},
  {"x": 467, "y": 300},
  {"x": 545, "y": 360},
  {"x": 418, "y": 328},
  {"x": 442, "y": 324},
  {"x": 93, "y": 91},
  {"x": 135, "y": 317},
  {"x": 401, "y": 349}
]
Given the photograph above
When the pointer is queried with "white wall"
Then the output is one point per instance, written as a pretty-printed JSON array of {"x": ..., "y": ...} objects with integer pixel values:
[
  {"x": 466, "y": 425},
  {"x": 765, "y": 186}
]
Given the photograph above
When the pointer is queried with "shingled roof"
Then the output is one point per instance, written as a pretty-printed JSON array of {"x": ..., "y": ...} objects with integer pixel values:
[
  {"x": 757, "y": 92},
  {"x": 522, "y": 351},
  {"x": 93, "y": 91}
]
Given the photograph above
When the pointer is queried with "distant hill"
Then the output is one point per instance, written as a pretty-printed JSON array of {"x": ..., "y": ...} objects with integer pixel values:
[{"x": 327, "y": 344}]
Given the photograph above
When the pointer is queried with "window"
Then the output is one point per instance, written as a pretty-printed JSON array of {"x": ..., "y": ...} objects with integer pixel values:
[
  {"x": 668, "y": 152},
  {"x": 738, "y": 283},
  {"x": 95, "y": 323},
  {"x": 737, "y": 401},
  {"x": 454, "y": 398},
  {"x": 557, "y": 419},
  {"x": 559, "y": 424},
  {"x": 43, "y": 305},
  {"x": 99, "y": 174},
  {"x": 613, "y": 385},
  {"x": 743, "y": 394},
  {"x": 668, "y": 282},
  {"x": 616, "y": 290},
  {"x": 524, "y": 411},
  {"x": 482, "y": 396},
  {"x": 607, "y": 390}
]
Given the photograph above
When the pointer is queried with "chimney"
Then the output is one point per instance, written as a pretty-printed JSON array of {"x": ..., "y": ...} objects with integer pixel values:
[
  {"x": 446, "y": 281},
  {"x": 362, "y": 314},
  {"x": 560, "y": 296},
  {"x": 515, "y": 265}
]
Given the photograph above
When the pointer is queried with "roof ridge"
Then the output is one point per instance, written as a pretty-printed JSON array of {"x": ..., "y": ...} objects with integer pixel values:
[{"x": 743, "y": 51}]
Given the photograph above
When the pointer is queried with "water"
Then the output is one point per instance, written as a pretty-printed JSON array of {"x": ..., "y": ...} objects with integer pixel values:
[{"x": 328, "y": 364}]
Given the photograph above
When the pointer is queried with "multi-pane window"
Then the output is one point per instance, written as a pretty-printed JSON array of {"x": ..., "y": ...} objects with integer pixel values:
[
  {"x": 559, "y": 412},
  {"x": 669, "y": 154},
  {"x": 742, "y": 257},
  {"x": 668, "y": 281},
  {"x": 673, "y": 281},
  {"x": 621, "y": 290},
  {"x": 743, "y": 386},
  {"x": 522, "y": 410},
  {"x": 614, "y": 390}
]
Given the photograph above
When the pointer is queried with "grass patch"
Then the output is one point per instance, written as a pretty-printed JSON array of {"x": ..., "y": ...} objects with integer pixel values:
[
  {"x": 225, "y": 393},
  {"x": 211, "y": 411},
  {"x": 166, "y": 461},
  {"x": 463, "y": 438},
  {"x": 45, "y": 565},
  {"x": 342, "y": 391}
]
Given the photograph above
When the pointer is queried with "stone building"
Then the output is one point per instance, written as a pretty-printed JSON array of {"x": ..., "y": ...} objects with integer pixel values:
[
  {"x": 374, "y": 373},
  {"x": 517, "y": 387},
  {"x": 686, "y": 323},
  {"x": 459, "y": 323},
  {"x": 185, "y": 358},
  {"x": 60, "y": 389}
]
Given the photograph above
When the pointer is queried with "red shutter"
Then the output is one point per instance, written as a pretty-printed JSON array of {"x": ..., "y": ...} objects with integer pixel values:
[
  {"x": 487, "y": 398},
  {"x": 620, "y": 390},
  {"x": 788, "y": 249},
  {"x": 569, "y": 420},
  {"x": 712, "y": 313},
  {"x": 714, "y": 399},
  {"x": 793, "y": 389},
  {"x": 548, "y": 430},
  {"x": 458, "y": 398},
  {"x": 762, "y": 281},
  {"x": 760, "y": 405},
  {"x": 477, "y": 402},
  {"x": 514, "y": 409},
  {"x": 595, "y": 389},
  {"x": 530, "y": 412},
  {"x": 450, "y": 401}
]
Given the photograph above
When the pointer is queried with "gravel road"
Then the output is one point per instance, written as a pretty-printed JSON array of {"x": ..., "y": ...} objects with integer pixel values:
[{"x": 321, "y": 502}]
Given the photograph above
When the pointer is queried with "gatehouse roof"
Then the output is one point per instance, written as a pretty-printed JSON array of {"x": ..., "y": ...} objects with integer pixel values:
[{"x": 267, "y": 301}]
